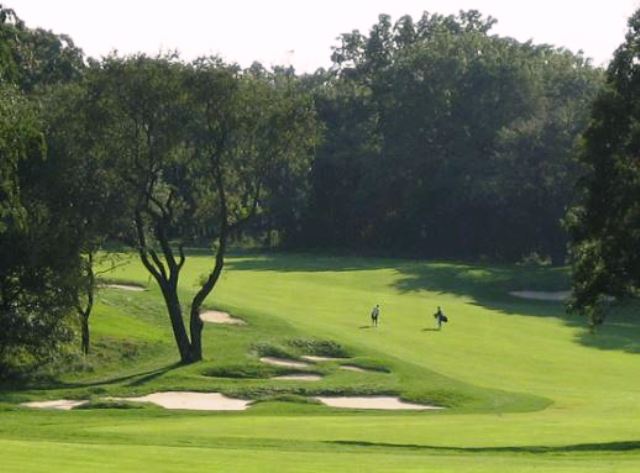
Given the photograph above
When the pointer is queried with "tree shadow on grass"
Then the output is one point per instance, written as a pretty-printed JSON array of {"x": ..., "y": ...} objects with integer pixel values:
[
  {"x": 622, "y": 446},
  {"x": 486, "y": 286},
  {"x": 134, "y": 379},
  {"x": 292, "y": 262},
  {"x": 489, "y": 287}
]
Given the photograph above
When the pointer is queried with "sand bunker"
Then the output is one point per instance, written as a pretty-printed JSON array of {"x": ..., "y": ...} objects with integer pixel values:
[
  {"x": 356, "y": 369},
  {"x": 299, "y": 377},
  {"x": 315, "y": 359},
  {"x": 191, "y": 401},
  {"x": 63, "y": 404},
  {"x": 125, "y": 287},
  {"x": 218, "y": 317},
  {"x": 373, "y": 402},
  {"x": 270, "y": 360},
  {"x": 542, "y": 295}
]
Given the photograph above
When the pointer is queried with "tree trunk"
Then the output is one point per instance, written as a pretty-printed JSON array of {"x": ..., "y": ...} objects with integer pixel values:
[
  {"x": 170, "y": 294},
  {"x": 84, "y": 322},
  {"x": 195, "y": 321},
  {"x": 85, "y": 312},
  {"x": 195, "y": 327}
]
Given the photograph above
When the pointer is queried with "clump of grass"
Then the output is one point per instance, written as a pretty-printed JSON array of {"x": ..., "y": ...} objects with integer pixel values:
[
  {"x": 273, "y": 349},
  {"x": 370, "y": 364},
  {"x": 242, "y": 371},
  {"x": 264, "y": 393},
  {"x": 442, "y": 398},
  {"x": 112, "y": 404},
  {"x": 294, "y": 398},
  {"x": 269, "y": 393},
  {"x": 310, "y": 346}
]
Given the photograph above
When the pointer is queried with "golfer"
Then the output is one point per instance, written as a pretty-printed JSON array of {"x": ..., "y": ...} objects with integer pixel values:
[
  {"x": 440, "y": 317},
  {"x": 375, "y": 313}
]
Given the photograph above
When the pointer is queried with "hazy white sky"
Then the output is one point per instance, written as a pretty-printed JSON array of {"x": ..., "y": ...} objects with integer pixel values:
[{"x": 300, "y": 32}]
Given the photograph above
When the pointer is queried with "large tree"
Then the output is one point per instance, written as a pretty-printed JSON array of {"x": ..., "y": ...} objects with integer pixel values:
[
  {"x": 96, "y": 205},
  {"x": 196, "y": 145},
  {"x": 605, "y": 227},
  {"x": 38, "y": 254}
]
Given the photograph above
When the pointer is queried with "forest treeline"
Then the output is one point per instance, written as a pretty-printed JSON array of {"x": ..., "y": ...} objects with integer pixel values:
[
  {"x": 443, "y": 140},
  {"x": 430, "y": 138}
]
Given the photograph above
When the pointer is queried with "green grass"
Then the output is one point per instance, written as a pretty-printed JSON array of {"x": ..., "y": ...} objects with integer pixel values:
[{"x": 527, "y": 387}]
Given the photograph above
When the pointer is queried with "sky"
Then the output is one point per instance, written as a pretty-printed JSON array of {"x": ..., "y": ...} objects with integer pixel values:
[{"x": 300, "y": 33}]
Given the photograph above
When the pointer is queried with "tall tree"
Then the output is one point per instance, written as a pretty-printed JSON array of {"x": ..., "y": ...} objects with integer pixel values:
[
  {"x": 196, "y": 145},
  {"x": 38, "y": 255},
  {"x": 36, "y": 58},
  {"x": 96, "y": 205},
  {"x": 605, "y": 226}
]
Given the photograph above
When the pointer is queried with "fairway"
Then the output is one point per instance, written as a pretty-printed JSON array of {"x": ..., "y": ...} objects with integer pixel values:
[{"x": 526, "y": 388}]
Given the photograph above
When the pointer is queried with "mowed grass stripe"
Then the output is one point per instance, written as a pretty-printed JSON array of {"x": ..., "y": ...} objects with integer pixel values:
[{"x": 71, "y": 458}]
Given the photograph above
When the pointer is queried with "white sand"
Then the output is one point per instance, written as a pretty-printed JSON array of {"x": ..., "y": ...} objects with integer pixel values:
[
  {"x": 299, "y": 377},
  {"x": 542, "y": 295},
  {"x": 125, "y": 287},
  {"x": 218, "y": 317},
  {"x": 373, "y": 402},
  {"x": 270, "y": 360},
  {"x": 356, "y": 368},
  {"x": 63, "y": 404},
  {"x": 191, "y": 400},
  {"x": 315, "y": 359}
]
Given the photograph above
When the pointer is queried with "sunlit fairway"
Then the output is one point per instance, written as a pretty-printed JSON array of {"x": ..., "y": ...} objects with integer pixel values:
[{"x": 526, "y": 387}]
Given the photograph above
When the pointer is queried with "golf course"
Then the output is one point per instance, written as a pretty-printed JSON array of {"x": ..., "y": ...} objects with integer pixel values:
[
  {"x": 523, "y": 386},
  {"x": 222, "y": 253}
]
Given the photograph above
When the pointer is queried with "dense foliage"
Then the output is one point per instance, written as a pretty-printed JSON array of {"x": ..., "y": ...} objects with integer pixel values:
[
  {"x": 605, "y": 226},
  {"x": 443, "y": 140},
  {"x": 39, "y": 250}
]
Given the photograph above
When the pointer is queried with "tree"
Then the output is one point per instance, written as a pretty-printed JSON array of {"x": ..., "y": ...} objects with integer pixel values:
[
  {"x": 38, "y": 256},
  {"x": 605, "y": 226},
  {"x": 195, "y": 145},
  {"x": 95, "y": 203},
  {"x": 36, "y": 58}
]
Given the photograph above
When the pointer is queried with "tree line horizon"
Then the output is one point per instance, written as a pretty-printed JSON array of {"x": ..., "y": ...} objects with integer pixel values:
[{"x": 426, "y": 138}]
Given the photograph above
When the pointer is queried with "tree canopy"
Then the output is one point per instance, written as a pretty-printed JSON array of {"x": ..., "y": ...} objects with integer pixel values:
[
  {"x": 444, "y": 140},
  {"x": 196, "y": 146},
  {"x": 605, "y": 225}
]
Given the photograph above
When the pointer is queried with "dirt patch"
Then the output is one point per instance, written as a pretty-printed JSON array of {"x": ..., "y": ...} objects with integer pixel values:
[
  {"x": 125, "y": 287},
  {"x": 316, "y": 359},
  {"x": 373, "y": 402},
  {"x": 63, "y": 404},
  {"x": 558, "y": 296},
  {"x": 191, "y": 401},
  {"x": 217, "y": 317},
  {"x": 299, "y": 377},
  {"x": 270, "y": 360}
]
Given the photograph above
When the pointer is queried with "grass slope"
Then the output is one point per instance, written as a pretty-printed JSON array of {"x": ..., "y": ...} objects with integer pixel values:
[{"x": 528, "y": 388}]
